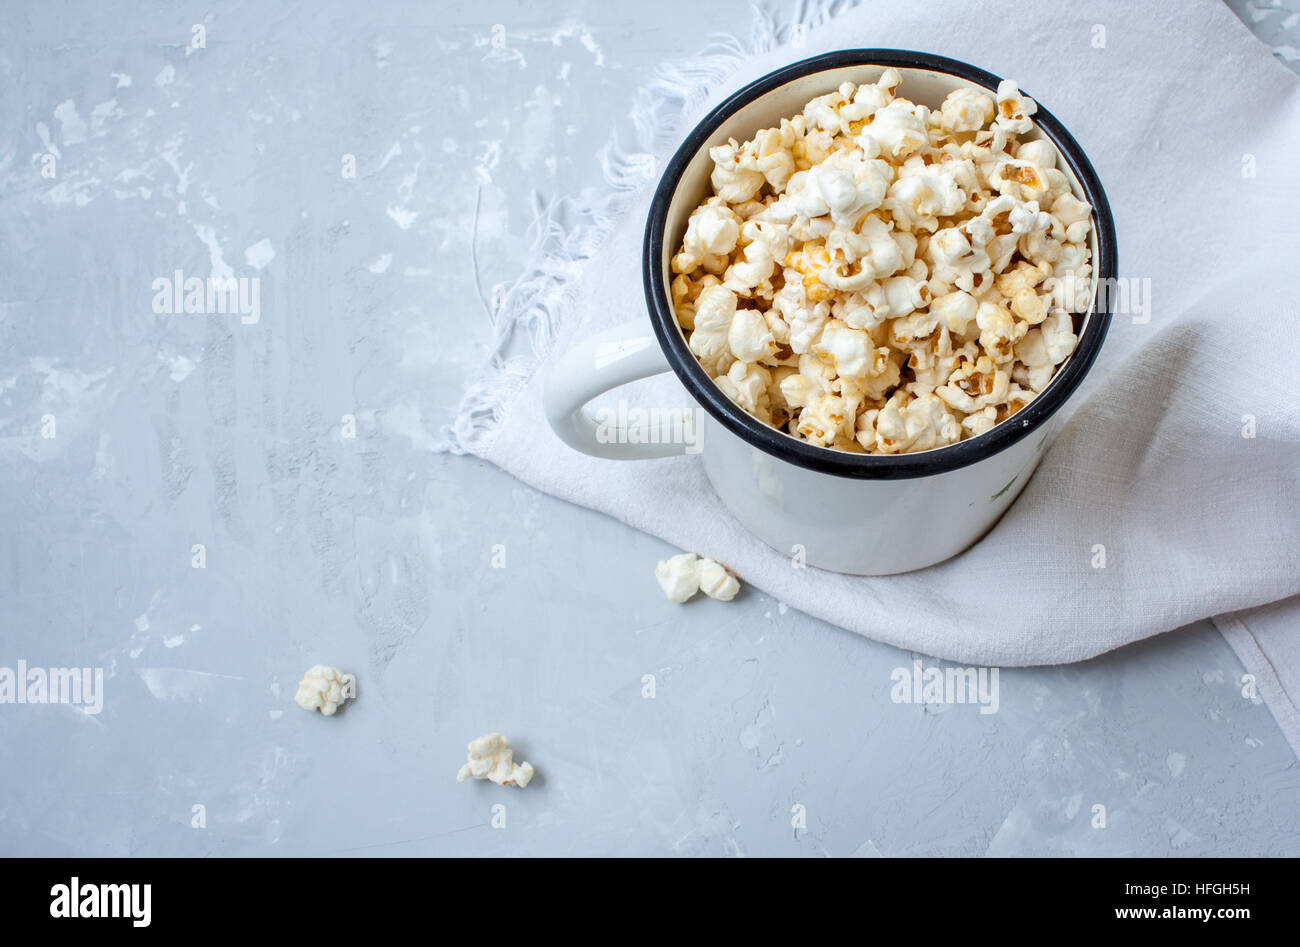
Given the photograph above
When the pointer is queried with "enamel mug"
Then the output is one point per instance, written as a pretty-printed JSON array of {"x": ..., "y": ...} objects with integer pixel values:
[{"x": 867, "y": 514}]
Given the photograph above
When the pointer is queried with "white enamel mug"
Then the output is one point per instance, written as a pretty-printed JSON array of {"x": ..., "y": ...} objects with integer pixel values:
[{"x": 866, "y": 514}]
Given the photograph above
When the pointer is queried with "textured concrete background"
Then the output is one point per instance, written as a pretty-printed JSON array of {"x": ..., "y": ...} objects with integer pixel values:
[{"x": 374, "y": 554}]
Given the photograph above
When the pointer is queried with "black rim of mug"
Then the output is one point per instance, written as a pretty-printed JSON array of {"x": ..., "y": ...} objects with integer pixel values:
[{"x": 844, "y": 463}]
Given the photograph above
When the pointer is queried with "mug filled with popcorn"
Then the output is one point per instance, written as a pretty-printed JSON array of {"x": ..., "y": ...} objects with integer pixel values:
[{"x": 876, "y": 272}]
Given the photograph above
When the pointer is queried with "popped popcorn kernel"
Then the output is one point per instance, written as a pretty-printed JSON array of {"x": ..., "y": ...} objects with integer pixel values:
[
  {"x": 490, "y": 757},
  {"x": 325, "y": 689},
  {"x": 679, "y": 577},
  {"x": 716, "y": 582}
]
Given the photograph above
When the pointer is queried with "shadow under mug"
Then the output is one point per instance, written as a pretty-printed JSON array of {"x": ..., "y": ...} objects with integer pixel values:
[{"x": 866, "y": 514}]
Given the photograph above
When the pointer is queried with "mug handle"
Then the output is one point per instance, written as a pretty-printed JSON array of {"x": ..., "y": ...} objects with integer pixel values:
[{"x": 623, "y": 354}]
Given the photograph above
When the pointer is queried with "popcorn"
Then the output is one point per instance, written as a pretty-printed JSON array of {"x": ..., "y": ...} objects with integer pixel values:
[
  {"x": 765, "y": 244},
  {"x": 846, "y": 185},
  {"x": 717, "y": 582},
  {"x": 732, "y": 182},
  {"x": 915, "y": 329},
  {"x": 849, "y": 351},
  {"x": 933, "y": 363},
  {"x": 747, "y": 384},
  {"x": 679, "y": 577},
  {"x": 1075, "y": 216},
  {"x": 810, "y": 264},
  {"x": 823, "y": 111},
  {"x": 1021, "y": 180},
  {"x": 1014, "y": 108},
  {"x": 1029, "y": 306},
  {"x": 977, "y": 424},
  {"x": 1071, "y": 286},
  {"x": 870, "y": 275},
  {"x": 1078, "y": 232},
  {"x": 804, "y": 318},
  {"x": 490, "y": 757},
  {"x": 873, "y": 245},
  {"x": 999, "y": 330},
  {"x": 966, "y": 110},
  {"x": 907, "y": 424},
  {"x": 1026, "y": 218},
  {"x": 683, "y": 575},
  {"x": 1058, "y": 336},
  {"x": 953, "y": 260},
  {"x": 955, "y": 310},
  {"x": 1039, "y": 152},
  {"x": 772, "y": 155},
  {"x": 904, "y": 294},
  {"x": 1017, "y": 398},
  {"x": 1022, "y": 276},
  {"x": 922, "y": 194},
  {"x": 1068, "y": 209},
  {"x": 711, "y": 235},
  {"x": 882, "y": 376},
  {"x": 685, "y": 293},
  {"x": 800, "y": 389},
  {"x": 1045, "y": 347},
  {"x": 325, "y": 689},
  {"x": 862, "y": 310},
  {"x": 898, "y": 129},
  {"x": 711, "y": 338},
  {"x": 749, "y": 338},
  {"x": 825, "y": 419},
  {"x": 975, "y": 386}
]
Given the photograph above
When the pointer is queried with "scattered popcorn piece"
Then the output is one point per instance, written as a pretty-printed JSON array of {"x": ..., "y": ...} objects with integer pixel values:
[
  {"x": 685, "y": 574},
  {"x": 871, "y": 275},
  {"x": 716, "y": 581},
  {"x": 325, "y": 689},
  {"x": 679, "y": 576},
  {"x": 490, "y": 757}
]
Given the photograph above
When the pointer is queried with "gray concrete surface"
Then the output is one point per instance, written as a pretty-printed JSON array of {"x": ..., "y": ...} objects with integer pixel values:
[{"x": 372, "y": 553}]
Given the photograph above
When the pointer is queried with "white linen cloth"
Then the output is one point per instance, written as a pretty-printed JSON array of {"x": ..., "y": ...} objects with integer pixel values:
[
  {"x": 1194, "y": 131},
  {"x": 1267, "y": 639}
]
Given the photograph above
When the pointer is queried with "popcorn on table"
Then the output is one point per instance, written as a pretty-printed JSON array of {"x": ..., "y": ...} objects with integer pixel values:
[
  {"x": 878, "y": 277},
  {"x": 325, "y": 689},
  {"x": 683, "y": 575},
  {"x": 490, "y": 757}
]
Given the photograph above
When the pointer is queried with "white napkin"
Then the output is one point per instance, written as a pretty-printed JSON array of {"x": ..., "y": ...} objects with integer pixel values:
[
  {"x": 1267, "y": 640},
  {"x": 1194, "y": 131}
]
